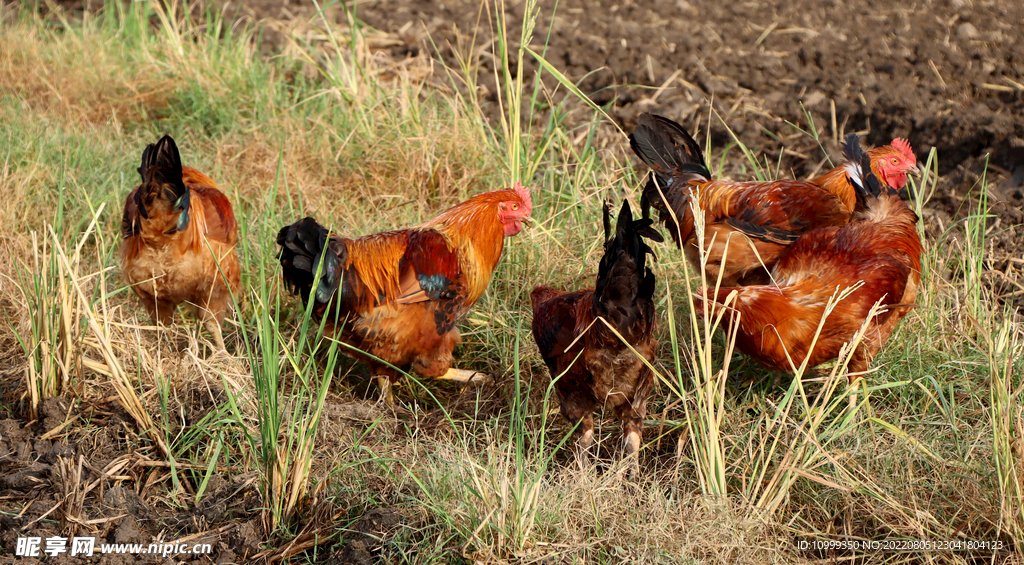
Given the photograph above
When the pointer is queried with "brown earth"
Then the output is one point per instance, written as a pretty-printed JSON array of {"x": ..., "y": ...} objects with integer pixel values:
[
  {"x": 947, "y": 74},
  {"x": 90, "y": 476},
  {"x": 82, "y": 469}
]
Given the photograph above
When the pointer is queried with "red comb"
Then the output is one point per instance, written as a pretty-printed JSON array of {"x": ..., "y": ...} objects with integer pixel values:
[
  {"x": 903, "y": 146},
  {"x": 523, "y": 193}
]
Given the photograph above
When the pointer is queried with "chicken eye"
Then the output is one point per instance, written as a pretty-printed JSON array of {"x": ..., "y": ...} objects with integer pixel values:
[
  {"x": 895, "y": 161},
  {"x": 515, "y": 206}
]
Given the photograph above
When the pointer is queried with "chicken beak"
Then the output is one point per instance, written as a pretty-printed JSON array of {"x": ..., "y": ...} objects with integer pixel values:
[
  {"x": 528, "y": 221},
  {"x": 915, "y": 170}
]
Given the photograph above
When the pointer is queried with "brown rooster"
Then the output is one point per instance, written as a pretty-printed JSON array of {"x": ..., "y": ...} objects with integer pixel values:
[
  {"x": 592, "y": 365},
  {"x": 745, "y": 216},
  {"x": 179, "y": 241},
  {"x": 880, "y": 248},
  {"x": 397, "y": 295}
]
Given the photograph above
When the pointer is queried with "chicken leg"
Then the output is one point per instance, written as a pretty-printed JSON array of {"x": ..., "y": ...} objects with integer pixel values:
[
  {"x": 213, "y": 327},
  {"x": 586, "y": 441},
  {"x": 631, "y": 445}
]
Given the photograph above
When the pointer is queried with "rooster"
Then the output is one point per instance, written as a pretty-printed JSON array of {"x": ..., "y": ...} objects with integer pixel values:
[
  {"x": 879, "y": 250},
  {"x": 396, "y": 296},
  {"x": 755, "y": 220},
  {"x": 592, "y": 365},
  {"x": 179, "y": 241}
]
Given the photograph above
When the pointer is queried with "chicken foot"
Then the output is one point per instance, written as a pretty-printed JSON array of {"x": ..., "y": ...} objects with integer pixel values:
[
  {"x": 386, "y": 384},
  {"x": 463, "y": 376},
  {"x": 631, "y": 445},
  {"x": 213, "y": 327},
  {"x": 387, "y": 392}
]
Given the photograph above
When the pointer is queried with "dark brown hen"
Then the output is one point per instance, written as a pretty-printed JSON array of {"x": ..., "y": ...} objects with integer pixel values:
[{"x": 576, "y": 334}]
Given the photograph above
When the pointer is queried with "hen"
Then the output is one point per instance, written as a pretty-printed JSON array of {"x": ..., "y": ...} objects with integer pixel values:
[
  {"x": 179, "y": 241},
  {"x": 879, "y": 248},
  {"x": 592, "y": 365},
  {"x": 396, "y": 296},
  {"x": 745, "y": 216}
]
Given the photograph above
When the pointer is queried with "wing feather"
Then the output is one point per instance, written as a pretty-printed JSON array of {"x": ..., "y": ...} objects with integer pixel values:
[{"x": 429, "y": 270}]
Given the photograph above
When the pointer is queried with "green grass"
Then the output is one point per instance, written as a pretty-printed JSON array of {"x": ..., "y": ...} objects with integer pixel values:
[{"x": 730, "y": 472}]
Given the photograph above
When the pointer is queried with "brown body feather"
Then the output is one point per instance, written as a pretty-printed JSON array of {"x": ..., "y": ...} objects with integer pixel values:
[
  {"x": 597, "y": 369},
  {"x": 418, "y": 336},
  {"x": 747, "y": 225}
]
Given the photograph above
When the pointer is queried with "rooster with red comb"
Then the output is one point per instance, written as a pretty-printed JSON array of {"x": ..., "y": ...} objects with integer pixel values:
[
  {"x": 396, "y": 296},
  {"x": 746, "y": 225}
]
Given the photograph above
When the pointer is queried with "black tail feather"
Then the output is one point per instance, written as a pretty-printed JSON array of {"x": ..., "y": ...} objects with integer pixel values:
[
  {"x": 162, "y": 176},
  {"x": 675, "y": 160},
  {"x": 606, "y": 215},
  {"x": 302, "y": 245},
  {"x": 625, "y": 285},
  {"x": 667, "y": 148},
  {"x": 674, "y": 157}
]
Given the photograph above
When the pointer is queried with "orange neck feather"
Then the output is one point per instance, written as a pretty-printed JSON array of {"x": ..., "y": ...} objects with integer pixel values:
[
  {"x": 195, "y": 234},
  {"x": 375, "y": 259},
  {"x": 193, "y": 177},
  {"x": 474, "y": 230},
  {"x": 836, "y": 183}
]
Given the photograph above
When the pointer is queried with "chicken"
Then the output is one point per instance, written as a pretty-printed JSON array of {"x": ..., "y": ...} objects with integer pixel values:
[
  {"x": 744, "y": 216},
  {"x": 607, "y": 373},
  {"x": 879, "y": 248},
  {"x": 396, "y": 296},
  {"x": 179, "y": 241}
]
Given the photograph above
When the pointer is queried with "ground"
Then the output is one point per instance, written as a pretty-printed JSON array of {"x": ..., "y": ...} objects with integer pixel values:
[{"x": 946, "y": 74}]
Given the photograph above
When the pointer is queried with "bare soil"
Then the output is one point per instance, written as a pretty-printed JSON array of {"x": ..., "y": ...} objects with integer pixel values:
[
  {"x": 947, "y": 74},
  {"x": 101, "y": 464},
  {"x": 82, "y": 469}
]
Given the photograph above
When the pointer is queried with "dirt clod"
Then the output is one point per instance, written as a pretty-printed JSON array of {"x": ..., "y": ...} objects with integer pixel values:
[
  {"x": 120, "y": 500},
  {"x": 355, "y": 552},
  {"x": 245, "y": 540},
  {"x": 53, "y": 411},
  {"x": 26, "y": 479},
  {"x": 129, "y": 532}
]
